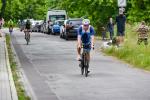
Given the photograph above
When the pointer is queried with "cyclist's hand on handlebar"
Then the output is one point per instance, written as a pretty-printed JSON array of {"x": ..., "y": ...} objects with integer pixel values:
[{"x": 92, "y": 46}]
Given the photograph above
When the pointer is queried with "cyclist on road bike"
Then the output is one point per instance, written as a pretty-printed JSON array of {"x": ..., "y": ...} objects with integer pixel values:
[
  {"x": 11, "y": 25},
  {"x": 27, "y": 28},
  {"x": 10, "y": 29},
  {"x": 85, "y": 37}
]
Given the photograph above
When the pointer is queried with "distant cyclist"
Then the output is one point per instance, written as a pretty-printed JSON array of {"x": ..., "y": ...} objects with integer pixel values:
[
  {"x": 85, "y": 37},
  {"x": 27, "y": 28},
  {"x": 11, "y": 29}
]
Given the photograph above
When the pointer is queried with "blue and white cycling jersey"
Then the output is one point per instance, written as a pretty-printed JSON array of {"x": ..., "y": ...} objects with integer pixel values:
[{"x": 86, "y": 35}]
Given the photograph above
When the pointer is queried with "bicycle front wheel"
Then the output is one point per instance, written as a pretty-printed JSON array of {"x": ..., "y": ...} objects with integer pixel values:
[
  {"x": 82, "y": 70},
  {"x": 86, "y": 71},
  {"x": 86, "y": 67}
]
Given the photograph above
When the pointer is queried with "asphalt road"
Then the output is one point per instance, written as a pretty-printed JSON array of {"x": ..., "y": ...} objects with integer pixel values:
[{"x": 50, "y": 65}]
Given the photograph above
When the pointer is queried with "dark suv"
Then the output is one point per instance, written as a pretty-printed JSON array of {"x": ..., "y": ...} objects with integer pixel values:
[{"x": 71, "y": 28}]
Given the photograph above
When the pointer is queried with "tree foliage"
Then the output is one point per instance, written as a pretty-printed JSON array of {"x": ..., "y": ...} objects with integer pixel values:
[
  {"x": 21, "y": 9},
  {"x": 97, "y": 10},
  {"x": 100, "y": 10},
  {"x": 140, "y": 10}
]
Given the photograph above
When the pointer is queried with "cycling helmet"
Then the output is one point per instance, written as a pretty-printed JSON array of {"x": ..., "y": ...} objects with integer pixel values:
[{"x": 86, "y": 22}]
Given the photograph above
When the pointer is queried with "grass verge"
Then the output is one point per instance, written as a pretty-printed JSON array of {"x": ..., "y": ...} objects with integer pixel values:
[
  {"x": 137, "y": 55},
  {"x": 20, "y": 91}
]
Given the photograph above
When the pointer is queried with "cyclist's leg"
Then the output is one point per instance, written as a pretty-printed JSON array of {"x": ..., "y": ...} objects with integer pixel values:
[
  {"x": 25, "y": 32},
  {"x": 78, "y": 52},
  {"x": 88, "y": 58},
  {"x": 29, "y": 34}
]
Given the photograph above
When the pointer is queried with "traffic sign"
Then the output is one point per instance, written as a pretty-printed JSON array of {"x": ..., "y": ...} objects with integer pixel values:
[{"x": 122, "y": 3}]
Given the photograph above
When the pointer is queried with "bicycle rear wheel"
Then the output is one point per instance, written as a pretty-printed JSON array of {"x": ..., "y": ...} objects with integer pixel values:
[{"x": 27, "y": 38}]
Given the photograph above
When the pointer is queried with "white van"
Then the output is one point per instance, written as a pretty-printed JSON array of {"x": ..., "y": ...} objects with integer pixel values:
[{"x": 54, "y": 15}]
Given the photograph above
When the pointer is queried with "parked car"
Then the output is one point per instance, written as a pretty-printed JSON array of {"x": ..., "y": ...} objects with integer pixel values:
[
  {"x": 43, "y": 27},
  {"x": 70, "y": 28},
  {"x": 37, "y": 26},
  {"x": 22, "y": 25},
  {"x": 32, "y": 24},
  {"x": 52, "y": 16},
  {"x": 56, "y": 26},
  {"x": 60, "y": 22}
]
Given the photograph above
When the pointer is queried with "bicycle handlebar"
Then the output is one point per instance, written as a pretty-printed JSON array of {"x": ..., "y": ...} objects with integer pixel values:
[{"x": 90, "y": 47}]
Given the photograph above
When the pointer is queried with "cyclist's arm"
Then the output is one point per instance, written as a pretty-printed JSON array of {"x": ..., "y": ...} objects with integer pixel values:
[
  {"x": 79, "y": 40},
  {"x": 92, "y": 40},
  {"x": 92, "y": 36},
  {"x": 79, "y": 37}
]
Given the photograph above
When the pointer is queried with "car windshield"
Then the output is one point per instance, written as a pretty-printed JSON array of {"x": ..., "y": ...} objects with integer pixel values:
[
  {"x": 75, "y": 23},
  {"x": 61, "y": 23},
  {"x": 56, "y": 17}
]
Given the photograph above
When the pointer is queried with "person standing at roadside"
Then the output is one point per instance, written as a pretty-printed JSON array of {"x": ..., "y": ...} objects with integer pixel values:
[
  {"x": 143, "y": 33},
  {"x": 103, "y": 29},
  {"x": 110, "y": 27},
  {"x": 120, "y": 21}
]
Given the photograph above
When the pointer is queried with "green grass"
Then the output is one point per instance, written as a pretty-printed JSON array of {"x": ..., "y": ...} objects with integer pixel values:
[
  {"x": 137, "y": 55},
  {"x": 13, "y": 65}
]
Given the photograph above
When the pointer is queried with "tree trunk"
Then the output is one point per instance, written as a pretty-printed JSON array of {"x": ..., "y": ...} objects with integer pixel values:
[{"x": 3, "y": 8}]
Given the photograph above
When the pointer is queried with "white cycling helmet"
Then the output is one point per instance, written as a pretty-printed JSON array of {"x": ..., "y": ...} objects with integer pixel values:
[{"x": 86, "y": 22}]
